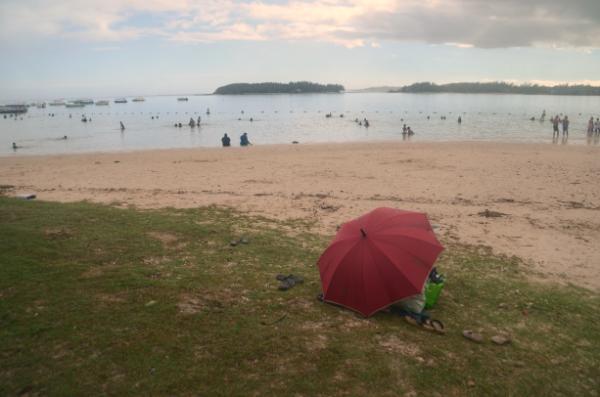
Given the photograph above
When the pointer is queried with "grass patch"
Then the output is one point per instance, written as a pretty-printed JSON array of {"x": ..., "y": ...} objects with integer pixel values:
[{"x": 101, "y": 300}]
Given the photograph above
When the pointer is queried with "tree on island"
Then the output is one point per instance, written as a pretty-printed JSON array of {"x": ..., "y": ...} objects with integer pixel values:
[
  {"x": 500, "y": 88},
  {"x": 298, "y": 87}
]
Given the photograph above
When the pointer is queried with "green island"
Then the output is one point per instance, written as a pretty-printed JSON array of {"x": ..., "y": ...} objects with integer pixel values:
[
  {"x": 299, "y": 87},
  {"x": 499, "y": 88},
  {"x": 104, "y": 300}
]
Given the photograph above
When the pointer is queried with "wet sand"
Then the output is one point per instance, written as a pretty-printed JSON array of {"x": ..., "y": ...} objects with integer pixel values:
[{"x": 548, "y": 195}]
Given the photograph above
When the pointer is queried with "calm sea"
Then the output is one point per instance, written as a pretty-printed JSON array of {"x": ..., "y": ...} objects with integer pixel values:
[{"x": 280, "y": 119}]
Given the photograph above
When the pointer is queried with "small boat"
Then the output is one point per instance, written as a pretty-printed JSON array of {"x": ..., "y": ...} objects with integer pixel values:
[
  {"x": 102, "y": 103},
  {"x": 41, "y": 105},
  {"x": 74, "y": 104},
  {"x": 84, "y": 101},
  {"x": 138, "y": 99},
  {"x": 57, "y": 102},
  {"x": 182, "y": 99},
  {"x": 13, "y": 109},
  {"x": 120, "y": 100}
]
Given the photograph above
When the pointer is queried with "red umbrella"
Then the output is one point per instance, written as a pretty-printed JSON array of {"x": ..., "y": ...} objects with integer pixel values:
[{"x": 378, "y": 259}]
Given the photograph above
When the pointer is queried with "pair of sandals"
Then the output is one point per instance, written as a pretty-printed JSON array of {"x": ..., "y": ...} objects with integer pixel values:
[
  {"x": 427, "y": 324},
  {"x": 420, "y": 320}
]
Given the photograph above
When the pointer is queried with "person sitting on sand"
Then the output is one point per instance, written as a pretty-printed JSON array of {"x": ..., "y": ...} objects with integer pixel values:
[
  {"x": 14, "y": 146},
  {"x": 192, "y": 122},
  {"x": 244, "y": 140},
  {"x": 226, "y": 141},
  {"x": 410, "y": 132}
]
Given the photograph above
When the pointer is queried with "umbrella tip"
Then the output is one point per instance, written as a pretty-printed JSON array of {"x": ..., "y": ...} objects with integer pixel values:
[{"x": 362, "y": 231}]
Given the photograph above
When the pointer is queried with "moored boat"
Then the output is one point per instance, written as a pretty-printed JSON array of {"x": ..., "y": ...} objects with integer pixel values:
[
  {"x": 138, "y": 99},
  {"x": 13, "y": 109},
  {"x": 120, "y": 100},
  {"x": 57, "y": 102},
  {"x": 74, "y": 105},
  {"x": 84, "y": 101},
  {"x": 183, "y": 98},
  {"x": 102, "y": 103}
]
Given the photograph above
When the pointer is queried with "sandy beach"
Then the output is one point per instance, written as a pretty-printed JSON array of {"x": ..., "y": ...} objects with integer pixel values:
[{"x": 543, "y": 200}]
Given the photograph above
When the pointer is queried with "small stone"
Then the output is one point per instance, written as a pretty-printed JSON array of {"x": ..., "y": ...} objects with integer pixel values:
[
  {"x": 150, "y": 303},
  {"x": 500, "y": 339},
  {"x": 502, "y": 305},
  {"x": 244, "y": 240},
  {"x": 475, "y": 337},
  {"x": 233, "y": 243},
  {"x": 471, "y": 383}
]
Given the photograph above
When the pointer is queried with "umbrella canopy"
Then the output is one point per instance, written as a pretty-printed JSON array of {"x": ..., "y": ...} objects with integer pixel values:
[{"x": 378, "y": 259}]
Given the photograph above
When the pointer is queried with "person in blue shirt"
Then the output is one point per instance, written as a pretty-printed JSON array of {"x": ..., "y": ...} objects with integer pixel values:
[
  {"x": 244, "y": 140},
  {"x": 226, "y": 141}
]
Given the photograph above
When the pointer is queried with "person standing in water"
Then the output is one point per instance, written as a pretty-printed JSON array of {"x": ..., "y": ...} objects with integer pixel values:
[
  {"x": 590, "y": 129},
  {"x": 555, "y": 122},
  {"x": 565, "y": 126},
  {"x": 459, "y": 120},
  {"x": 122, "y": 126}
]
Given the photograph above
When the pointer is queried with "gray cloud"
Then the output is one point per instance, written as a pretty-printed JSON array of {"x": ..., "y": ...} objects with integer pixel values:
[{"x": 489, "y": 24}]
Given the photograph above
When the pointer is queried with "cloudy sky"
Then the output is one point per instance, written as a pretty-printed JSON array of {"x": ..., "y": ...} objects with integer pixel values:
[{"x": 66, "y": 48}]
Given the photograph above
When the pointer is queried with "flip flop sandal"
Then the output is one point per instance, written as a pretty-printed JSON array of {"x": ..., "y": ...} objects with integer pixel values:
[{"x": 434, "y": 325}]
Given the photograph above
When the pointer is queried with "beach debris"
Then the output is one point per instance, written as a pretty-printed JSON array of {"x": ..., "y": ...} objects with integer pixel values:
[
  {"x": 288, "y": 281},
  {"x": 472, "y": 335},
  {"x": 6, "y": 188},
  {"x": 241, "y": 240},
  {"x": 328, "y": 207},
  {"x": 27, "y": 196},
  {"x": 274, "y": 321},
  {"x": 501, "y": 339},
  {"x": 491, "y": 214}
]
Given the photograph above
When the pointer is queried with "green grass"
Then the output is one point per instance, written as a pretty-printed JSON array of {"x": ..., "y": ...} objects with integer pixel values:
[{"x": 98, "y": 300}]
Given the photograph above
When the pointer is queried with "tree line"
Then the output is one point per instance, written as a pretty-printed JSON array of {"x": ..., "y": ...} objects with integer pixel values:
[
  {"x": 500, "y": 88},
  {"x": 297, "y": 87}
]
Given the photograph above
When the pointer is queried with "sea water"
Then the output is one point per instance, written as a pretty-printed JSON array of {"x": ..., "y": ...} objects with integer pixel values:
[{"x": 282, "y": 119}]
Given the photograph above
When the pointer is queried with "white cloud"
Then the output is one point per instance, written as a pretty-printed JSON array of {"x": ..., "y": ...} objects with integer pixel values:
[{"x": 351, "y": 23}]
